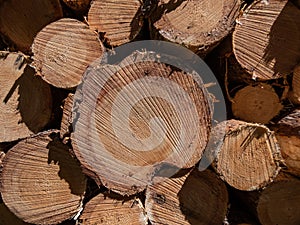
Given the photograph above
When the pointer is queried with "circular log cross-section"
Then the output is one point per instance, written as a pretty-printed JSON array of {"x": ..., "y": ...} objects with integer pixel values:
[
  {"x": 266, "y": 41},
  {"x": 257, "y": 104},
  {"x": 21, "y": 20},
  {"x": 63, "y": 50},
  {"x": 199, "y": 198},
  {"x": 25, "y": 99},
  {"x": 196, "y": 24},
  {"x": 104, "y": 210},
  {"x": 66, "y": 121},
  {"x": 288, "y": 136},
  {"x": 119, "y": 21},
  {"x": 131, "y": 122},
  {"x": 40, "y": 182},
  {"x": 279, "y": 203},
  {"x": 249, "y": 156}
]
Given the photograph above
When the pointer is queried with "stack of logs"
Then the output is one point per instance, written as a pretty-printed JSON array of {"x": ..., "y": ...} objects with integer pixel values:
[{"x": 47, "y": 176}]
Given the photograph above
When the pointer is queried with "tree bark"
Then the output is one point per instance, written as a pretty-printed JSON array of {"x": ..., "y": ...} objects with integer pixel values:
[
  {"x": 21, "y": 20},
  {"x": 118, "y": 21},
  {"x": 25, "y": 99},
  {"x": 118, "y": 124},
  {"x": 287, "y": 134},
  {"x": 247, "y": 157},
  {"x": 196, "y": 198},
  {"x": 257, "y": 104},
  {"x": 198, "y": 25},
  {"x": 262, "y": 41},
  {"x": 111, "y": 210},
  {"x": 40, "y": 182},
  {"x": 63, "y": 50}
]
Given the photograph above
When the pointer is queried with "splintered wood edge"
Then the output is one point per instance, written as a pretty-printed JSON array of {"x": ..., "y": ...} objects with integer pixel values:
[
  {"x": 249, "y": 158},
  {"x": 40, "y": 182},
  {"x": 175, "y": 25},
  {"x": 19, "y": 26},
  {"x": 63, "y": 50},
  {"x": 256, "y": 104},
  {"x": 194, "y": 197},
  {"x": 26, "y": 99},
  {"x": 110, "y": 171},
  {"x": 105, "y": 210},
  {"x": 257, "y": 39},
  {"x": 119, "y": 21},
  {"x": 66, "y": 121}
]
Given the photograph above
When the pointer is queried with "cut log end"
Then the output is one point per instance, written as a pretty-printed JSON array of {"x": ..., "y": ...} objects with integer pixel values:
[
  {"x": 257, "y": 104},
  {"x": 105, "y": 210},
  {"x": 40, "y": 182},
  {"x": 25, "y": 99},
  {"x": 66, "y": 121},
  {"x": 18, "y": 24},
  {"x": 139, "y": 125},
  {"x": 249, "y": 157},
  {"x": 262, "y": 41},
  {"x": 199, "y": 25},
  {"x": 79, "y": 6},
  {"x": 119, "y": 21},
  {"x": 63, "y": 50},
  {"x": 196, "y": 198},
  {"x": 295, "y": 93}
]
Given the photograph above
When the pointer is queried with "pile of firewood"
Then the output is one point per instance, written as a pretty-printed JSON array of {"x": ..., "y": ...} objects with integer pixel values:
[{"x": 54, "y": 169}]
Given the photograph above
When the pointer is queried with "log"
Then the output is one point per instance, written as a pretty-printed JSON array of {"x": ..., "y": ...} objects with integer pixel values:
[
  {"x": 294, "y": 95},
  {"x": 118, "y": 21},
  {"x": 66, "y": 121},
  {"x": 21, "y": 20},
  {"x": 276, "y": 204},
  {"x": 25, "y": 99},
  {"x": 287, "y": 134},
  {"x": 63, "y": 50},
  {"x": 266, "y": 41},
  {"x": 40, "y": 182},
  {"x": 7, "y": 217},
  {"x": 131, "y": 125},
  {"x": 257, "y": 104},
  {"x": 196, "y": 198},
  {"x": 247, "y": 157},
  {"x": 198, "y": 25},
  {"x": 79, "y": 6},
  {"x": 104, "y": 209}
]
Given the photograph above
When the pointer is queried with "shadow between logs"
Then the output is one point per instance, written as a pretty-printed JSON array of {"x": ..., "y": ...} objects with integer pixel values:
[
  {"x": 69, "y": 168},
  {"x": 284, "y": 46}
]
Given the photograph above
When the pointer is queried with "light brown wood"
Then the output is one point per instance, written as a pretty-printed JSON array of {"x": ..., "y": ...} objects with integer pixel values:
[
  {"x": 266, "y": 41},
  {"x": 294, "y": 95},
  {"x": 79, "y": 6},
  {"x": 107, "y": 210},
  {"x": 196, "y": 198},
  {"x": 25, "y": 99},
  {"x": 63, "y": 50},
  {"x": 21, "y": 20},
  {"x": 198, "y": 25},
  {"x": 118, "y": 21},
  {"x": 121, "y": 139},
  {"x": 66, "y": 121},
  {"x": 248, "y": 157},
  {"x": 40, "y": 182},
  {"x": 287, "y": 134},
  {"x": 257, "y": 104}
]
